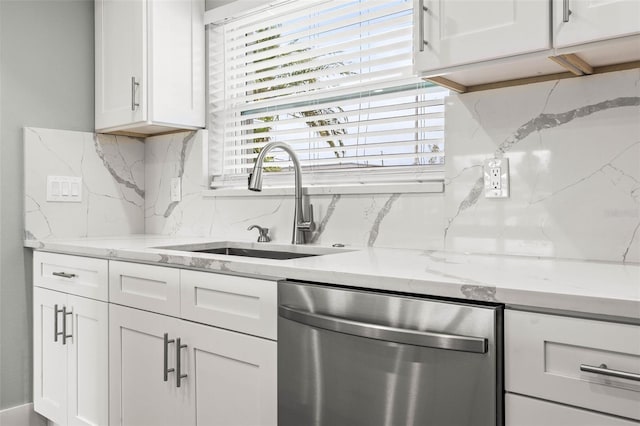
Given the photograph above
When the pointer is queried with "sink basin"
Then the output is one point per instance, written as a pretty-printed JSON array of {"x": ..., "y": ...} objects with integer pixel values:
[
  {"x": 256, "y": 250},
  {"x": 262, "y": 254}
]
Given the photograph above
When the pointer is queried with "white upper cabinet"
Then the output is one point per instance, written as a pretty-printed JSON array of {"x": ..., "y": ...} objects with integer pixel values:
[
  {"x": 451, "y": 33},
  {"x": 150, "y": 65},
  {"x": 583, "y": 21}
]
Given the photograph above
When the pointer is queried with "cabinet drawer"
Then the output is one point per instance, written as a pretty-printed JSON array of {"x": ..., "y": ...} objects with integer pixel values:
[
  {"x": 246, "y": 305},
  {"x": 524, "y": 411},
  {"x": 82, "y": 276},
  {"x": 545, "y": 356},
  {"x": 152, "y": 288}
]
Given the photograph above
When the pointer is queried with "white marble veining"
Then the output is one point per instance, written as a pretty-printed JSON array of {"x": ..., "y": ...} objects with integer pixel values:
[
  {"x": 574, "y": 152},
  {"x": 112, "y": 171},
  {"x": 568, "y": 285}
]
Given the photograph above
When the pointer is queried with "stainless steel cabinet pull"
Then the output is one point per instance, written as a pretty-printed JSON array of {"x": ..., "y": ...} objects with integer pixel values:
[
  {"x": 65, "y": 336},
  {"x": 565, "y": 11},
  {"x": 134, "y": 86},
  {"x": 56, "y": 333},
  {"x": 391, "y": 334},
  {"x": 63, "y": 275},
  {"x": 605, "y": 371},
  {"x": 166, "y": 370},
  {"x": 179, "y": 375},
  {"x": 422, "y": 41}
]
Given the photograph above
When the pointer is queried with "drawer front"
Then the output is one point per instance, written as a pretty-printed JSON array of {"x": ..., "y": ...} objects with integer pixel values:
[
  {"x": 545, "y": 356},
  {"x": 241, "y": 304},
  {"x": 152, "y": 288},
  {"x": 524, "y": 411},
  {"x": 82, "y": 276}
]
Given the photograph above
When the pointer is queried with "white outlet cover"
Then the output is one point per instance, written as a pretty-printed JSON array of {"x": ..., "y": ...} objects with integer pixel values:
[
  {"x": 496, "y": 178},
  {"x": 176, "y": 189}
]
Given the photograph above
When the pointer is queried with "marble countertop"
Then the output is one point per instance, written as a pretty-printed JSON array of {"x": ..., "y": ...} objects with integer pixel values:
[{"x": 598, "y": 288}]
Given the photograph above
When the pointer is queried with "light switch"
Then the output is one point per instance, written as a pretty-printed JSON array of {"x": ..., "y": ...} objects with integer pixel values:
[
  {"x": 66, "y": 189},
  {"x": 55, "y": 188}
]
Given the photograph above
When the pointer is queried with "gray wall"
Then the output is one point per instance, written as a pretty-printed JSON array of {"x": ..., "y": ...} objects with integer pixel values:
[{"x": 46, "y": 80}]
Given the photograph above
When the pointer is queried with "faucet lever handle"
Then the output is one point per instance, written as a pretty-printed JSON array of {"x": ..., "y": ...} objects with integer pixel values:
[
  {"x": 307, "y": 225},
  {"x": 264, "y": 233}
]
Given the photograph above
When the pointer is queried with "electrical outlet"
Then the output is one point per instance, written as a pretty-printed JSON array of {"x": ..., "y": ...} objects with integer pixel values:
[
  {"x": 496, "y": 178},
  {"x": 176, "y": 189}
]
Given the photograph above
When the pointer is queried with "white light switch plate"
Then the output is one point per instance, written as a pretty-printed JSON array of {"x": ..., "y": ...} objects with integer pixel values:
[
  {"x": 64, "y": 189},
  {"x": 496, "y": 178},
  {"x": 176, "y": 189}
]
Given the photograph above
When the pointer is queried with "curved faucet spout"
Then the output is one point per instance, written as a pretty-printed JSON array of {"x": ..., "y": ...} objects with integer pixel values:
[{"x": 300, "y": 226}]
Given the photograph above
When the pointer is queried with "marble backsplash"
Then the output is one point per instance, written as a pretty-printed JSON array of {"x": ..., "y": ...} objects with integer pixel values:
[
  {"x": 112, "y": 171},
  {"x": 573, "y": 147},
  {"x": 386, "y": 220},
  {"x": 574, "y": 152}
]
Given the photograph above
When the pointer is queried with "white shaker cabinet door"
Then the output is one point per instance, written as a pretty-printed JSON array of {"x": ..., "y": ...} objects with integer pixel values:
[
  {"x": 49, "y": 356},
  {"x": 583, "y": 21},
  {"x": 456, "y": 32},
  {"x": 121, "y": 31},
  {"x": 140, "y": 392},
  {"x": 524, "y": 411},
  {"x": 234, "y": 379},
  {"x": 88, "y": 365},
  {"x": 177, "y": 57}
]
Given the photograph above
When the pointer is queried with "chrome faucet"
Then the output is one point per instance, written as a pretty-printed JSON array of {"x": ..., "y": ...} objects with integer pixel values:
[{"x": 301, "y": 227}]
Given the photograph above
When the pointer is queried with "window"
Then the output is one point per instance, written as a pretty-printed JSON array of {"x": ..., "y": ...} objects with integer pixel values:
[{"x": 334, "y": 80}]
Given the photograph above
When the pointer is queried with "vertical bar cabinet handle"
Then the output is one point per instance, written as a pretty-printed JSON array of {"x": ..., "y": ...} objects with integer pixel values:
[
  {"x": 179, "y": 375},
  {"x": 565, "y": 11},
  {"x": 65, "y": 336},
  {"x": 134, "y": 86},
  {"x": 56, "y": 333},
  {"x": 422, "y": 41},
  {"x": 166, "y": 370}
]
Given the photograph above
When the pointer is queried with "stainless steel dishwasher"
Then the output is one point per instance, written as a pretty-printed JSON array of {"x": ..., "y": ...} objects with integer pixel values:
[{"x": 358, "y": 358}]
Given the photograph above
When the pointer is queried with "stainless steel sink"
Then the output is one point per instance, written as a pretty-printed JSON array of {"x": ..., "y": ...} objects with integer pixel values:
[
  {"x": 256, "y": 250},
  {"x": 262, "y": 254}
]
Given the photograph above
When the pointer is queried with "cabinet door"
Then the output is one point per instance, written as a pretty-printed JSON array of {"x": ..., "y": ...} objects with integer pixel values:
[
  {"x": 593, "y": 20},
  {"x": 177, "y": 62},
  {"x": 139, "y": 395},
  {"x": 49, "y": 356},
  {"x": 234, "y": 377},
  {"x": 121, "y": 32},
  {"x": 467, "y": 31},
  {"x": 88, "y": 351},
  {"x": 523, "y": 411}
]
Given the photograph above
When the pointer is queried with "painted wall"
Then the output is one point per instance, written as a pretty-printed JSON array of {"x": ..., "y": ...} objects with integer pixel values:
[{"x": 46, "y": 80}]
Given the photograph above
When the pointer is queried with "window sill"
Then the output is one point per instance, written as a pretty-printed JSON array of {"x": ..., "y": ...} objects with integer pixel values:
[{"x": 429, "y": 187}]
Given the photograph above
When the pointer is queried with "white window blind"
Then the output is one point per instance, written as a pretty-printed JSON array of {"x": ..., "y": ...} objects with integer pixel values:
[{"x": 334, "y": 80}]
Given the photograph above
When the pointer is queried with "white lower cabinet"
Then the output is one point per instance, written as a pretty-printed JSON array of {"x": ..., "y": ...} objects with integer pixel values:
[
  {"x": 197, "y": 374},
  {"x": 70, "y": 358},
  {"x": 588, "y": 364},
  {"x": 524, "y": 411}
]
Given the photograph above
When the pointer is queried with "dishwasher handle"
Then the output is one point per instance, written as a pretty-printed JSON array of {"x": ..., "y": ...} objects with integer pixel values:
[{"x": 390, "y": 334}]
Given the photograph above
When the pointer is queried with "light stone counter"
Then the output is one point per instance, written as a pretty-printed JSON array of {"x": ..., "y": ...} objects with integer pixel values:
[{"x": 594, "y": 288}]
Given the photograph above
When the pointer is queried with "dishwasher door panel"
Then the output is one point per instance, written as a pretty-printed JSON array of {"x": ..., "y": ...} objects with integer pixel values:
[{"x": 331, "y": 378}]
